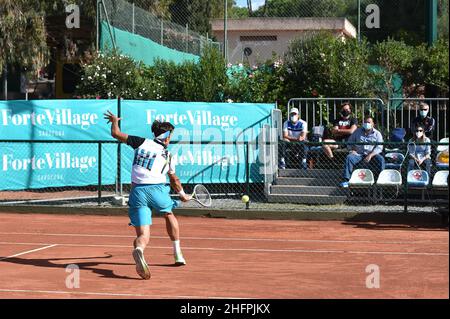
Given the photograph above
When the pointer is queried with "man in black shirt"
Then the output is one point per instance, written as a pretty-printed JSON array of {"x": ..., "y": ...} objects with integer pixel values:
[{"x": 343, "y": 127}]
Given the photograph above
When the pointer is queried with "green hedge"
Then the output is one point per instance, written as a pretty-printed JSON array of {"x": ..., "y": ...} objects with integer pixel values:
[{"x": 321, "y": 65}]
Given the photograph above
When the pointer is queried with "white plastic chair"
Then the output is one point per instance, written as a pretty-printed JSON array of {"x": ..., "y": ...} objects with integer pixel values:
[
  {"x": 442, "y": 148},
  {"x": 361, "y": 177},
  {"x": 418, "y": 178},
  {"x": 389, "y": 177},
  {"x": 440, "y": 179}
]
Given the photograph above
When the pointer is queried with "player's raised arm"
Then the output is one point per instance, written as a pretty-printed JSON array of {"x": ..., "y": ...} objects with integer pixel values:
[{"x": 115, "y": 130}]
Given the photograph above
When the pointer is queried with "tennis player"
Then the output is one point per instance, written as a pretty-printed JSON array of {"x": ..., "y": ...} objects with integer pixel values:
[{"x": 152, "y": 161}]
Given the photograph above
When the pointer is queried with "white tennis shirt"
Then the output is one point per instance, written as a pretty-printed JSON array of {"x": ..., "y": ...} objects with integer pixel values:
[{"x": 152, "y": 161}]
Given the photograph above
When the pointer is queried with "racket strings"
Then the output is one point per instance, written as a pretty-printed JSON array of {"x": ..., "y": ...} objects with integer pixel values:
[{"x": 202, "y": 195}]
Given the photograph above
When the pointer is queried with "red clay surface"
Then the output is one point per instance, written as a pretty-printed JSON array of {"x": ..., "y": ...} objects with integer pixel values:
[{"x": 226, "y": 259}]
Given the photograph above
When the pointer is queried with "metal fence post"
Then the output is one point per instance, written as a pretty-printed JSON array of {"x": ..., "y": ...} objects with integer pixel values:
[
  {"x": 132, "y": 19},
  {"x": 187, "y": 38},
  {"x": 162, "y": 32},
  {"x": 119, "y": 153},
  {"x": 99, "y": 145},
  {"x": 247, "y": 173}
]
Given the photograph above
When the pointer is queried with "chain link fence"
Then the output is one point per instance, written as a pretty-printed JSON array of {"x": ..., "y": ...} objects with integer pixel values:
[
  {"x": 260, "y": 29},
  {"x": 121, "y": 21},
  {"x": 305, "y": 180},
  {"x": 256, "y": 30},
  {"x": 276, "y": 175},
  {"x": 28, "y": 167}
]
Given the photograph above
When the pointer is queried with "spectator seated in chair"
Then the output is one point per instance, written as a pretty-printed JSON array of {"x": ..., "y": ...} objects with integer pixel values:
[
  {"x": 294, "y": 130},
  {"x": 343, "y": 128},
  {"x": 427, "y": 122},
  {"x": 368, "y": 154},
  {"x": 419, "y": 155}
]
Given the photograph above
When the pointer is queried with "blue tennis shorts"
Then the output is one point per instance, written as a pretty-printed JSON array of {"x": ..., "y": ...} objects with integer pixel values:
[{"x": 144, "y": 198}]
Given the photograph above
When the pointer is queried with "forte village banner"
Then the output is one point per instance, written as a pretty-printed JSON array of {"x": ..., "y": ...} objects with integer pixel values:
[
  {"x": 207, "y": 122},
  {"x": 38, "y": 165}
]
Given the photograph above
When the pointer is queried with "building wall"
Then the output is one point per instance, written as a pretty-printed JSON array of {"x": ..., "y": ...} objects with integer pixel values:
[
  {"x": 262, "y": 44},
  {"x": 265, "y": 36}
]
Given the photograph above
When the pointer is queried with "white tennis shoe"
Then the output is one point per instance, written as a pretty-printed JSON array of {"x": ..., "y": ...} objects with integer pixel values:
[
  {"x": 141, "y": 265},
  {"x": 179, "y": 260}
]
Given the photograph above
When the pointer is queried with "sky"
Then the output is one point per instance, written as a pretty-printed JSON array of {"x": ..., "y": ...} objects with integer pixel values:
[{"x": 255, "y": 3}]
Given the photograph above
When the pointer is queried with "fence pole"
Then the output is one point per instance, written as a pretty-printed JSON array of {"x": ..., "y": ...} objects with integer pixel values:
[
  {"x": 162, "y": 32},
  {"x": 405, "y": 190},
  {"x": 132, "y": 19},
  {"x": 119, "y": 177},
  {"x": 99, "y": 145},
  {"x": 187, "y": 36},
  {"x": 97, "y": 18},
  {"x": 359, "y": 20},
  {"x": 247, "y": 173},
  {"x": 225, "y": 31}
]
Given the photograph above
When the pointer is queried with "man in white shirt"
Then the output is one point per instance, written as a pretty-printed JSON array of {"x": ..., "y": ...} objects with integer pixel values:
[
  {"x": 294, "y": 130},
  {"x": 152, "y": 161}
]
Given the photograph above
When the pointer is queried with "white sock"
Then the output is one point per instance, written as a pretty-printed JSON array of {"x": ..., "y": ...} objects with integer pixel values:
[{"x": 176, "y": 247}]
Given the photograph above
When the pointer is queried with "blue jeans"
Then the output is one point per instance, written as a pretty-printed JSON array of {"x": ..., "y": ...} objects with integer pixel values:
[
  {"x": 376, "y": 164},
  {"x": 297, "y": 155},
  {"x": 413, "y": 165}
]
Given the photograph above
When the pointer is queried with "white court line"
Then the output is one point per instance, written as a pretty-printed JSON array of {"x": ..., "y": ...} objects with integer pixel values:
[
  {"x": 29, "y": 251},
  {"x": 256, "y": 250},
  {"x": 112, "y": 294},
  {"x": 238, "y": 239}
]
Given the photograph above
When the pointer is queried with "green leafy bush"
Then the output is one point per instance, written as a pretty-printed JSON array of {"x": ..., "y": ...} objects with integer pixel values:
[
  {"x": 328, "y": 66},
  {"x": 393, "y": 57},
  {"x": 437, "y": 66},
  {"x": 319, "y": 66},
  {"x": 262, "y": 83},
  {"x": 112, "y": 75}
]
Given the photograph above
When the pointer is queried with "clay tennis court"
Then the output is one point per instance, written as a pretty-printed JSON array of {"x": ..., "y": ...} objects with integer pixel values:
[{"x": 226, "y": 258}]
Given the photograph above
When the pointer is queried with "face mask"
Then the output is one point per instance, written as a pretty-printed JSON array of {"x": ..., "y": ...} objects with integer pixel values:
[
  {"x": 345, "y": 113},
  {"x": 294, "y": 118},
  {"x": 367, "y": 126},
  {"x": 419, "y": 134},
  {"x": 423, "y": 113}
]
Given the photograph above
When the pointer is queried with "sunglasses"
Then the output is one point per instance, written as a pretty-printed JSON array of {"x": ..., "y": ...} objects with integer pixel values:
[{"x": 419, "y": 130}]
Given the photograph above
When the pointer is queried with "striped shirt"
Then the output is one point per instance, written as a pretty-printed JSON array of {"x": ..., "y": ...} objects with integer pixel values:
[{"x": 295, "y": 130}]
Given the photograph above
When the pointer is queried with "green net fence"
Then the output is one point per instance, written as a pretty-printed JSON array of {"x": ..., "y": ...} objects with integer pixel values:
[{"x": 144, "y": 36}]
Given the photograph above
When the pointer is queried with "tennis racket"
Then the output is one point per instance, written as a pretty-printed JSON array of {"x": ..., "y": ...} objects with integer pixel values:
[{"x": 201, "y": 195}]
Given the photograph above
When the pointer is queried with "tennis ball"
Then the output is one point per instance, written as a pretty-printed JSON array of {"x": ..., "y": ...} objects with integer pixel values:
[{"x": 245, "y": 199}]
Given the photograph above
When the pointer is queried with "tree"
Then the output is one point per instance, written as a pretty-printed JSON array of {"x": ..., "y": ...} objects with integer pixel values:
[
  {"x": 22, "y": 35},
  {"x": 437, "y": 67},
  {"x": 324, "y": 65},
  {"x": 194, "y": 13},
  {"x": 402, "y": 20},
  {"x": 393, "y": 57},
  {"x": 303, "y": 8}
]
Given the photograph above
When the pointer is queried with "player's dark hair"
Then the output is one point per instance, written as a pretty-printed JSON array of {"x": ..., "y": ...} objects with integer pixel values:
[{"x": 159, "y": 128}]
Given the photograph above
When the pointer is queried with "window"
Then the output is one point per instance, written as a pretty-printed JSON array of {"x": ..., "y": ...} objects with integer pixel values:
[{"x": 246, "y": 38}]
